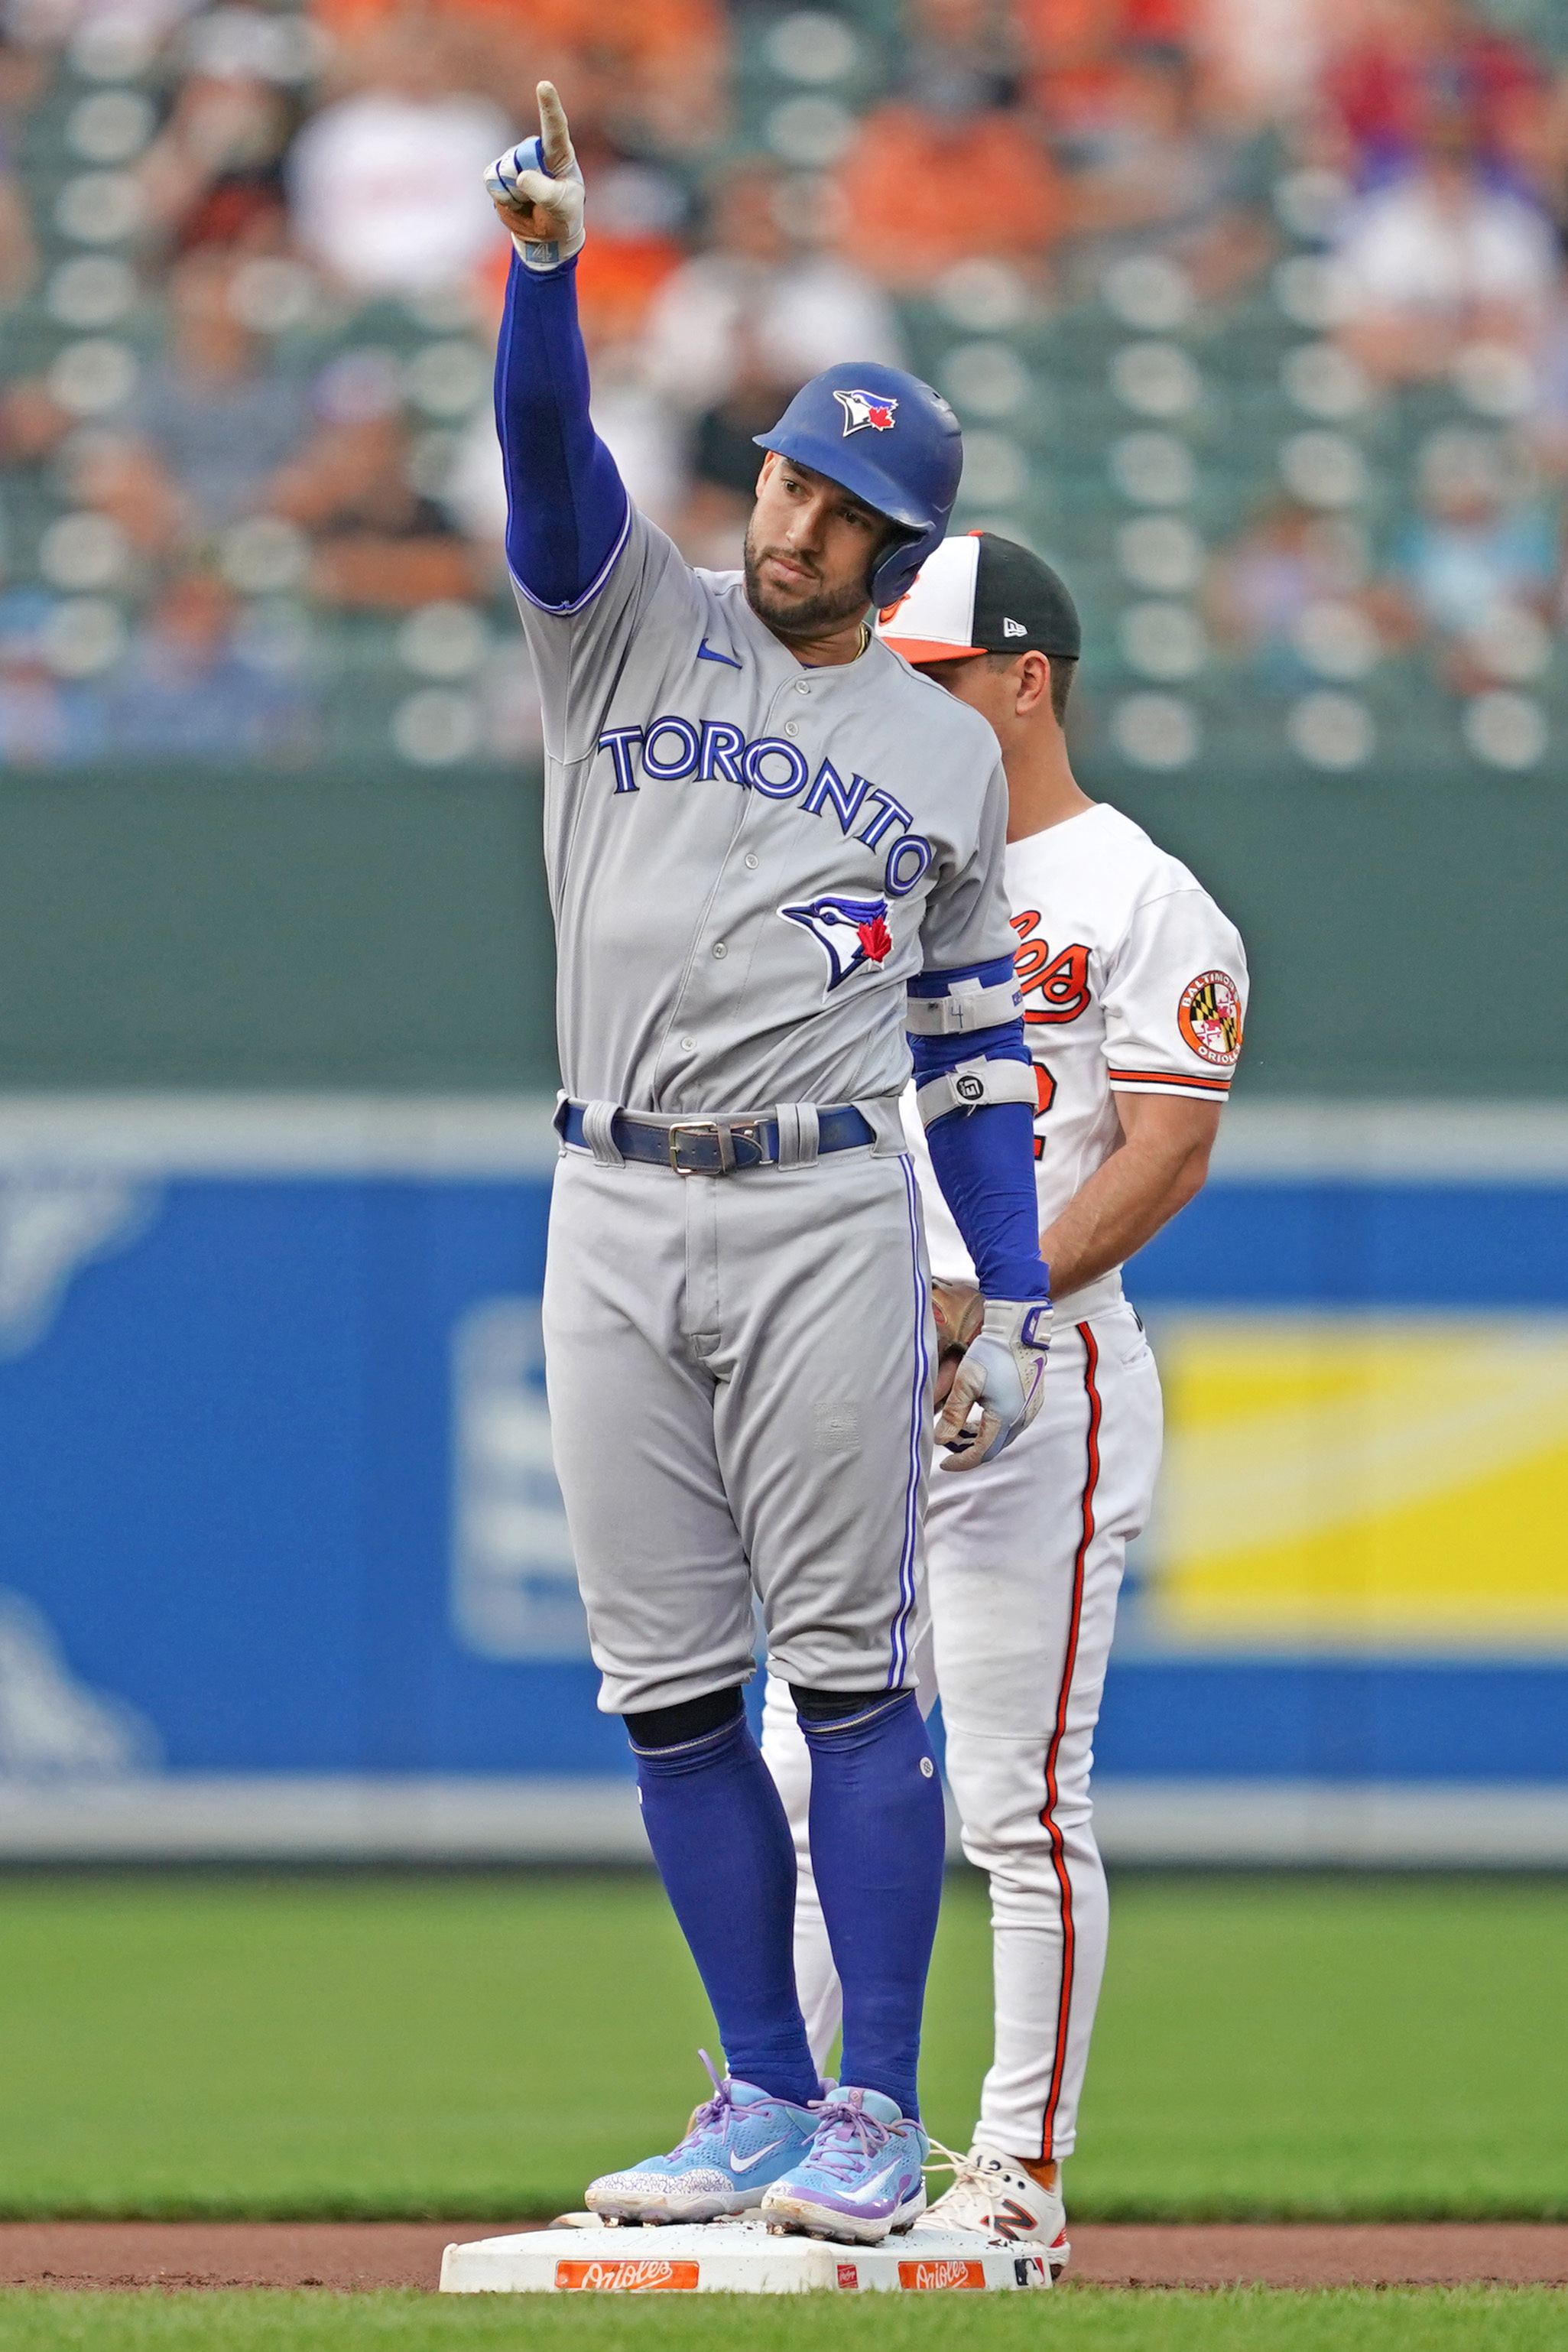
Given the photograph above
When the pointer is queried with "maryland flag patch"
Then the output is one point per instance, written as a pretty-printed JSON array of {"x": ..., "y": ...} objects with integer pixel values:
[{"x": 1209, "y": 1016}]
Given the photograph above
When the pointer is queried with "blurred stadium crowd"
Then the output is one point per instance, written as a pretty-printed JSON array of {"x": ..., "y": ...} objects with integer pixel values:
[{"x": 1254, "y": 313}]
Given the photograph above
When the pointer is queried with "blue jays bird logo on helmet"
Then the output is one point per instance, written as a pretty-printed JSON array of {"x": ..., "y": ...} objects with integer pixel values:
[
  {"x": 863, "y": 408},
  {"x": 850, "y": 931}
]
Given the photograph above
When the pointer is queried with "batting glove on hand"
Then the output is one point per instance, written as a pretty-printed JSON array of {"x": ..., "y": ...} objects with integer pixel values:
[
  {"x": 1003, "y": 1376},
  {"x": 538, "y": 190}
]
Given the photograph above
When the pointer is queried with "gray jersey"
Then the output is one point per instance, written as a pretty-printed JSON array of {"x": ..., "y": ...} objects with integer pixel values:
[{"x": 749, "y": 860}]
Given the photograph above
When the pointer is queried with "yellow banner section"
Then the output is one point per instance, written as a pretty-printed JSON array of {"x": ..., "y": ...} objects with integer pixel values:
[{"x": 1368, "y": 1482}]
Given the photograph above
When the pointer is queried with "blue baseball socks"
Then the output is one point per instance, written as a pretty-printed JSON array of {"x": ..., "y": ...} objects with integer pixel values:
[
  {"x": 719, "y": 1836},
  {"x": 878, "y": 1844},
  {"x": 722, "y": 1843}
]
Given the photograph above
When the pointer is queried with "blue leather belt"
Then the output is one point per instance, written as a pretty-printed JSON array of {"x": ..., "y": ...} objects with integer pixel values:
[{"x": 713, "y": 1147}]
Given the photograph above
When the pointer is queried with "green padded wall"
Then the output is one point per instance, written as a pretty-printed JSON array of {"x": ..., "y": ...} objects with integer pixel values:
[
  {"x": 253, "y": 930},
  {"x": 1408, "y": 930},
  {"x": 1408, "y": 933}
]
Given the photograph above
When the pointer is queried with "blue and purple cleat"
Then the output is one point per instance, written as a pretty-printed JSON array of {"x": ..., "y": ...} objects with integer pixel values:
[
  {"x": 861, "y": 2177},
  {"x": 737, "y": 2145}
]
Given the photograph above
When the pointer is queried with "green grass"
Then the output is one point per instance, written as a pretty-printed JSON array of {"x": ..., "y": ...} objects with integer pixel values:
[
  {"x": 477, "y": 2048},
  {"x": 1520, "y": 2319},
  {"x": 1390, "y": 2050}
]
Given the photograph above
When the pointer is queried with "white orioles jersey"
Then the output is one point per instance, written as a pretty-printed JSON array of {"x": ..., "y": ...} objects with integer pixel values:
[{"x": 1133, "y": 981}]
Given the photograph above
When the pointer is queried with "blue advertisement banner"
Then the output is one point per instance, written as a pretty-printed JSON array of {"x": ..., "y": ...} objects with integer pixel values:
[{"x": 275, "y": 1456}]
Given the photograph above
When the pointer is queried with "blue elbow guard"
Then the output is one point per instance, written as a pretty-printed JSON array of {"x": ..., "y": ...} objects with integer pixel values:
[{"x": 966, "y": 1039}]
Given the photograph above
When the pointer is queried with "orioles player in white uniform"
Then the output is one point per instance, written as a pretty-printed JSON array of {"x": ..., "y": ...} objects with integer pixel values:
[{"x": 1133, "y": 986}]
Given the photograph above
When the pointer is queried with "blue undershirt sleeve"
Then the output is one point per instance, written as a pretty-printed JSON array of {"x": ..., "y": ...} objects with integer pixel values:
[
  {"x": 984, "y": 1159},
  {"x": 567, "y": 509},
  {"x": 985, "y": 1164}
]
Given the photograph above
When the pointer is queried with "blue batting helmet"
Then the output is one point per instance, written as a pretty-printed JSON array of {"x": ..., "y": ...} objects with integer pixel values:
[{"x": 891, "y": 441}]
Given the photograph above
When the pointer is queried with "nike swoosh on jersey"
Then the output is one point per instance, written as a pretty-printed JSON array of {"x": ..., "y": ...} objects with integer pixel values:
[
  {"x": 745, "y": 2163},
  {"x": 707, "y": 653}
]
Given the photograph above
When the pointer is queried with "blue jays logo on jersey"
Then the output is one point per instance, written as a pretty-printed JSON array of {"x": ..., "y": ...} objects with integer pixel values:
[
  {"x": 850, "y": 931},
  {"x": 863, "y": 408}
]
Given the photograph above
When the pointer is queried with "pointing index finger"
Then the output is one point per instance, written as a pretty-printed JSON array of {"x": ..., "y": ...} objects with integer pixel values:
[{"x": 555, "y": 139}]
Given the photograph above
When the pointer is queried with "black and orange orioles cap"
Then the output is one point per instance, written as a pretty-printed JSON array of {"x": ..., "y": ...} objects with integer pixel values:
[{"x": 982, "y": 595}]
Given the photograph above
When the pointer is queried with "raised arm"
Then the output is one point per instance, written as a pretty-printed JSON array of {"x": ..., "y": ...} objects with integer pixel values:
[{"x": 567, "y": 509}]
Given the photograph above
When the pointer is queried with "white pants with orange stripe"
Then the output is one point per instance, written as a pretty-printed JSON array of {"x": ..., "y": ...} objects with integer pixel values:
[{"x": 1024, "y": 1562}]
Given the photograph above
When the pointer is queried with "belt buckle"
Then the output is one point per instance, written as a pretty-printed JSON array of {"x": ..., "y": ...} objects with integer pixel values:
[
  {"x": 706, "y": 1128},
  {"x": 723, "y": 1132}
]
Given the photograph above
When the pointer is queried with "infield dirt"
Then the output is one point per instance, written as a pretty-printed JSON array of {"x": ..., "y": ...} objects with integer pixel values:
[{"x": 368, "y": 2254}]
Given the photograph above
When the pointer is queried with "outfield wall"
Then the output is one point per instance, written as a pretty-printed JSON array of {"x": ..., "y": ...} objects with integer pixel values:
[
  {"x": 285, "y": 1569},
  {"x": 365, "y": 926}
]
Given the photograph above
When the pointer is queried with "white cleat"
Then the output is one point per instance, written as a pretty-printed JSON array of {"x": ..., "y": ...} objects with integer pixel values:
[{"x": 997, "y": 2198}]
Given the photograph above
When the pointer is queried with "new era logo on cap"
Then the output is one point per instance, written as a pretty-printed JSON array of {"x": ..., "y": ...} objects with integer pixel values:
[
  {"x": 982, "y": 595},
  {"x": 863, "y": 408}
]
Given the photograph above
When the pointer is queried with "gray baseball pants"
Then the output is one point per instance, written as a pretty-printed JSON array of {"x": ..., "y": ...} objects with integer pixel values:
[{"x": 739, "y": 1372}]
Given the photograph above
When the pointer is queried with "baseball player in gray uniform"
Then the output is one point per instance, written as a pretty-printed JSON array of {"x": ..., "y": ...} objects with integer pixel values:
[{"x": 776, "y": 863}]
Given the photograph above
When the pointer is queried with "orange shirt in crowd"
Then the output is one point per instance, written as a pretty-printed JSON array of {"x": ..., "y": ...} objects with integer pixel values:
[
  {"x": 920, "y": 193},
  {"x": 636, "y": 27},
  {"x": 666, "y": 57},
  {"x": 1076, "y": 53},
  {"x": 1056, "y": 32}
]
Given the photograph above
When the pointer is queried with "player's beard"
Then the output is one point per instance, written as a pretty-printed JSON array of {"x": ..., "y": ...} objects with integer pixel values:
[{"x": 800, "y": 616}]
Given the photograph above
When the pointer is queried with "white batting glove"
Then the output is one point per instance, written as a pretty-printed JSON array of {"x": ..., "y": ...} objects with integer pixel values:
[
  {"x": 1001, "y": 1377},
  {"x": 538, "y": 190}
]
